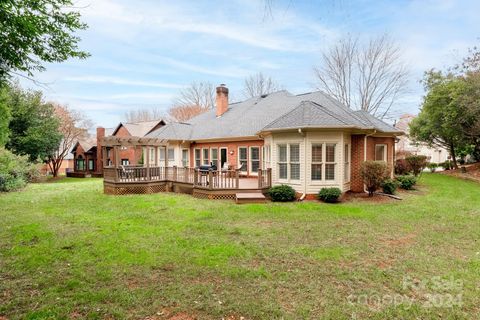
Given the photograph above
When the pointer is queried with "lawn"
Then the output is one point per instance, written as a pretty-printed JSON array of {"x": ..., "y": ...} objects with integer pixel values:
[{"x": 67, "y": 251}]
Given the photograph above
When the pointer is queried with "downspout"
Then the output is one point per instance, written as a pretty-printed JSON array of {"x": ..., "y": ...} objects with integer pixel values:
[
  {"x": 365, "y": 152},
  {"x": 302, "y": 197}
]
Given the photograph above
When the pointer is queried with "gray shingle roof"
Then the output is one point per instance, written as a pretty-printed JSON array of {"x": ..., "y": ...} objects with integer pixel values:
[{"x": 280, "y": 109}]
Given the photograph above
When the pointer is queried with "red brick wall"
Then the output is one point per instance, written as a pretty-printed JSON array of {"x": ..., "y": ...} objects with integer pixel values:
[
  {"x": 230, "y": 145},
  {"x": 133, "y": 154},
  {"x": 358, "y": 147},
  {"x": 80, "y": 152}
]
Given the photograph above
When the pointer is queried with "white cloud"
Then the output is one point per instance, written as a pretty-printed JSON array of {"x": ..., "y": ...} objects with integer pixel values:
[{"x": 122, "y": 81}]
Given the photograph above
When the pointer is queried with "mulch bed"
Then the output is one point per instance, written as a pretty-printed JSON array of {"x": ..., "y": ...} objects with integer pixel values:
[{"x": 472, "y": 174}]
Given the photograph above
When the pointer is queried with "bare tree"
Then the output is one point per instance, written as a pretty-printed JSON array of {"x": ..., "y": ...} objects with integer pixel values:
[
  {"x": 197, "y": 98},
  {"x": 73, "y": 126},
  {"x": 140, "y": 115},
  {"x": 258, "y": 84},
  {"x": 370, "y": 77}
]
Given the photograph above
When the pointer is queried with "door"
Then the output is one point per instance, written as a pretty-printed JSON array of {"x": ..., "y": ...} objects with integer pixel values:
[{"x": 223, "y": 157}]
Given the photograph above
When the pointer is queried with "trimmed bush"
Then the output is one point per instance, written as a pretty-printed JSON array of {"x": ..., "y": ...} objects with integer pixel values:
[
  {"x": 389, "y": 186},
  {"x": 329, "y": 195},
  {"x": 432, "y": 166},
  {"x": 406, "y": 182},
  {"x": 447, "y": 165},
  {"x": 402, "y": 167},
  {"x": 373, "y": 174},
  {"x": 282, "y": 193},
  {"x": 15, "y": 171},
  {"x": 417, "y": 164}
]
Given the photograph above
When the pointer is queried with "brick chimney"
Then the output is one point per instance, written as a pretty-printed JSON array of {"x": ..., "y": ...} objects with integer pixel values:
[
  {"x": 222, "y": 100},
  {"x": 100, "y": 135}
]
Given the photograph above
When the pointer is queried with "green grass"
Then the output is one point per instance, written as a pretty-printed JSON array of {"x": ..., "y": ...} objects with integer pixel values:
[{"x": 69, "y": 251}]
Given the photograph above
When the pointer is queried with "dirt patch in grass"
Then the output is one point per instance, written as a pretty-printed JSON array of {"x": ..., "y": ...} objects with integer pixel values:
[
  {"x": 401, "y": 241},
  {"x": 363, "y": 197},
  {"x": 472, "y": 172}
]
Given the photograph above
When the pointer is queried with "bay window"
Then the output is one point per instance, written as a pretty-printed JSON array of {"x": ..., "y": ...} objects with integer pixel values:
[
  {"x": 323, "y": 162},
  {"x": 380, "y": 152},
  {"x": 289, "y": 161}
]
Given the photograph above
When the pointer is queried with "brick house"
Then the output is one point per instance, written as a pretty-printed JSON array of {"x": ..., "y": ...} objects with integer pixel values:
[
  {"x": 309, "y": 141},
  {"x": 87, "y": 153}
]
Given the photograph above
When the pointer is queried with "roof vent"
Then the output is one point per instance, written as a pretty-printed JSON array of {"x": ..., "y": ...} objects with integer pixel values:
[{"x": 264, "y": 95}]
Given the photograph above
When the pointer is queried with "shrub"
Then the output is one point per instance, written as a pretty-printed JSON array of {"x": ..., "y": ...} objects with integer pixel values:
[
  {"x": 329, "y": 195},
  {"x": 402, "y": 167},
  {"x": 389, "y": 186},
  {"x": 447, "y": 165},
  {"x": 417, "y": 163},
  {"x": 373, "y": 174},
  {"x": 407, "y": 182},
  {"x": 432, "y": 166},
  {"x": 15, "y": 171},
  {"x": 282, "y": 193}
]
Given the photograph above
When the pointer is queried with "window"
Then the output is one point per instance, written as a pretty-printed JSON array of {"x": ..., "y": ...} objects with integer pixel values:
[
  {"x": 330, "y": 161},
  {"x": 125, "y": 162},
  {"x": 317, "y": 160},
  {"x": 254, "y": 159},
  {"x": 214, "y": 157},
  {"x": 243, "y": 158},
  {"x": 205, "y": 156},
  {"x": 80, "y": 164},
  {"x": 91, "y": 165},
  {"x": 161, "y": 156},
  {"x": 185, "y": 156},
  {"x": 380, "y": 152},
  {"x": 152, "y": 154},
  {"x": 282, "y": 161},
  {"x": 289, "y": 161},
  {"x": 295, "y": 162},
  {"x": 347, "y": 163},
  {"x": 197, "y": 154},
  {"x": 171, "y": 154}
]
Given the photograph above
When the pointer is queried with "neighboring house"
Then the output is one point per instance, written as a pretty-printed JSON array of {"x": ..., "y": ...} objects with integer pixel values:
[
  {"x": 66, "y": 166},
  {"x": 310, "y": 141},
  {"x": 87, "y": 153},
  {"x": 405, "y": 145}
]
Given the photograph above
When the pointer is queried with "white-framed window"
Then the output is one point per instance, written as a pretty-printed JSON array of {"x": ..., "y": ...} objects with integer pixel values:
[
  {"x": 243, "y": 158},
  {"x": 152, "y": 154},
  {"x": 254, "y": 159},
  {"x": 380, "y": 152},
  {"x": 198, "y": 156},
  {"x": 185, "y": 156},
  {"x": 125, "y": 162},
  {"x": 171, "y": 154},
  {"x": 317, "y": 161},
  {"x": 294, "y": 161},
  {"x": 282, "y": 161},
  {"x": 289, "y": 161},
  {"x": 346, "y": 156},
  {"x": 266, "y": 156},
  {"x": 161, "y": 154},
  {"x": 330, "y": 163},
  {"x": 205, "y": 156},
  {"x": 214, "y": 156}
]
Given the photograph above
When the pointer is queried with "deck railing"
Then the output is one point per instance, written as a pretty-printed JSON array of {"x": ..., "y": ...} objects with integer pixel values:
[{"x": 228, "y": 179}]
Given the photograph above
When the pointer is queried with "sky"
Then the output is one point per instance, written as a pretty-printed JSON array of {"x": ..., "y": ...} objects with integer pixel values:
[{"x": 144, "y": 51}]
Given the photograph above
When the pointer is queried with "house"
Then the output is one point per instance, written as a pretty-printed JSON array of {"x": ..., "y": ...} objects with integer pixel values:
[
  {"x": 405, "y": 145},
  {"x": 308, "y": 141},
  {"x": 87, "y": 153}
]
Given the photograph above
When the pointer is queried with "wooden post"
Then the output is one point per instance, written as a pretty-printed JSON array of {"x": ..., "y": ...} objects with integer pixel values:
[
  {"x": 210, "y": 179},
  {"x": 156, "y": 156},
  {"x": 260, "y": 178},
  {"x": 174, "y": 173},
  {"x": 195, "y": 177},
  {"x": 115, "y": 154},
  {"x": 166, "y": 155},
  {"x": 269, "y": 177},
  {"x": 237, "y": 179},
  {"x": 148, "y": 163}
]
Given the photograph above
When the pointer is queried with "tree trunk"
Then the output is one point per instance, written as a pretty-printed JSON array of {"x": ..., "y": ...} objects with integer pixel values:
[{"x": 452, "y": 153}]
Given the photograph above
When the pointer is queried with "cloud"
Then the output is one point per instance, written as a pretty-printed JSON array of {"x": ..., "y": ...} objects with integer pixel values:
[{"x": 122, "y": 81}]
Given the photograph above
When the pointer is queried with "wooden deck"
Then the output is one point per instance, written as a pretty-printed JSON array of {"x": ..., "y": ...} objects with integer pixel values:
[{"x": 209, "y": 185}]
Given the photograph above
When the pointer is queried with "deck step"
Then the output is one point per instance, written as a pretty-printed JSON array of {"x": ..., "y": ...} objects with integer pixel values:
[{"x": 247, "y": 197}]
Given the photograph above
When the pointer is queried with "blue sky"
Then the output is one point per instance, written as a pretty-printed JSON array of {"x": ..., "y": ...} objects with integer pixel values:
[{"x": 145, "y": 51}]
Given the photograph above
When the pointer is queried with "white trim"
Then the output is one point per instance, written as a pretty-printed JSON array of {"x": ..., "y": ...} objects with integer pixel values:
[
  {"x": 250, "y": 160},
  {"x": 385, "y": 151},
  {"x": 238, "y": 159}
]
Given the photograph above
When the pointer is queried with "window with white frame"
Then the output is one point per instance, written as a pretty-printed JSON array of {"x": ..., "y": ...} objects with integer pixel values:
[
  {"x": 380, "y": 152},
  {"x": 243, "y": 158},
  {"x": 294, "y": 161},
  {"x": 282, "y": 161},
  {"x": 289, "y": 161},
  {"x": 171, "y": 154},
  {"x": 205, "y": 156},
  {"x": 185, "y": 156},
  {"x": 346, "y": 156},
  {"x": 125, "y": 162},
  {"x": 198, "y": 155},
  {"x": 317, "y": 162},
  {"x": 254, "y": 159},
  {"x": 330, "y": 161},
  {"x": 161, "y": 155},
  {"x": 214, "y": 156},
  {"x": 152, "y": 154}
]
